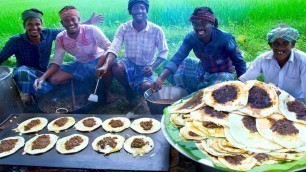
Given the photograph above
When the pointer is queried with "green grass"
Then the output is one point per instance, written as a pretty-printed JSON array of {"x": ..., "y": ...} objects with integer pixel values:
[{"x": 248, "y": 20}]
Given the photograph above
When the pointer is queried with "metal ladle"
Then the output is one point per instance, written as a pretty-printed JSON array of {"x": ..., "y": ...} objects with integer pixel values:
[{"x": 130, "y": 114}]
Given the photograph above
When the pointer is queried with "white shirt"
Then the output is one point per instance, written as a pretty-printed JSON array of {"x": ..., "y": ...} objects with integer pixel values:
[{"x": 291, "y": 77}]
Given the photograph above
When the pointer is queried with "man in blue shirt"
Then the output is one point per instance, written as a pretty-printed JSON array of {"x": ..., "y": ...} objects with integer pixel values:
[
  {"x": 32, "y": 50},
  {"x": 217, "y": 53}
]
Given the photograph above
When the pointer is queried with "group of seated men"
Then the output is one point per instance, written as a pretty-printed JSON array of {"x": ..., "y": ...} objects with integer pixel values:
[{"x": 218, "y": 57}]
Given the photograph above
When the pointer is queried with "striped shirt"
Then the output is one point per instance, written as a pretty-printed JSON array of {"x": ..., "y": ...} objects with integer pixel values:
[
  {"x": 90, "y": 43},
  {"x": 140, "y": 47}
]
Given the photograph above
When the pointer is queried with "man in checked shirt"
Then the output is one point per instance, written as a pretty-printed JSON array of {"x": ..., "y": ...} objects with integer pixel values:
[
  {"x": 217, "y": 53},
  {"x": 140, "y": 38}
]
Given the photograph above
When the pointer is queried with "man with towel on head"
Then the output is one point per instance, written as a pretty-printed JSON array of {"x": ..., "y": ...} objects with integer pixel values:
[
  {"x": 217, "y": 53},
  {"x": 86, "y": 43},
  {"x": 32, "y": 51},
  {"x": 284, "y": 66},
  {"x": 141, "y": 38}
]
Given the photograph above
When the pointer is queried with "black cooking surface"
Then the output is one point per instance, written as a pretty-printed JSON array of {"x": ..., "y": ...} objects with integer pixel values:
[{"x": 156, "y": 160}]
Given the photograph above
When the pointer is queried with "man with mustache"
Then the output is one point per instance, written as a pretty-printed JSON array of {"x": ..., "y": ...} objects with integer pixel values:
[
  {"x": 86, "y": 43},
  {"x": 217, "y": 52},
  {"x": 32, "y": 51},
  {"x": 140, "y": 38},
  {"x": 284, "y": 66}
]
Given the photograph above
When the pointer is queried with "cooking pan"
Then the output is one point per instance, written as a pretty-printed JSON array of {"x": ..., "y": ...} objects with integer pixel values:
[
  {"x": 63, "y": 100},
  {"x": 9, "y": 94},
  {"x": 159, "y": 100}
]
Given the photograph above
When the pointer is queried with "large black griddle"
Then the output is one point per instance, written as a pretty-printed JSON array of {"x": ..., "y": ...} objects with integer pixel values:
[{"x": 156, "y": 160}]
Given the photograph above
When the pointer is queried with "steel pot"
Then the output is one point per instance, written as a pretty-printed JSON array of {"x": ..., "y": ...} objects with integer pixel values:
[
  {"x": 9, "y": 94},
  {"x": 163, "y": 98}
]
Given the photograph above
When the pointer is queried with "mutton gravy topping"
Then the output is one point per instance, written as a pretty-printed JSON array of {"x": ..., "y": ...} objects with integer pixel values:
[
  {"x": 213, "y": 113},
  {"x": 226, "y": 96},
  {"x": 32, "y": 125},
  {"x": 60, "y": 124},
  {"x": 264, "y": 158},
  {"x": 209, "y": 128},
  {"x": 280, "y": 130},
  {"x": 238, "y": 162},
  {"x": 116, "y": 124},
  {"x": 259, "y": 98},
  {"x": 262, "y": 100},
  {"x": 10, "y": 145},
  {"x": 243, "y": 129},
  {"x": 191, "y": 132},
  {"x": 88, "y": 124},
  {"x": 291, "y": 108},
  {"x": 188, "y": 105},
  {"x": 40, "y": 144},
  {"x": 261, "y": 157},
  {"x": 71, "y": 144},
  {"x": 209, "y": 114},
  {"x": 211, "y": 125},
  {"x": 250, "y": 123},
  {"x": 108, "y": 143},
  {"x": 7, "y": 145},
  {"x": 145, "y": 125},
  {"x": 298, "y": 108},
  {"x": 138, "y": 145},
  {"x": 283, "y": 127},
  {"x": 235, "y": 160}
]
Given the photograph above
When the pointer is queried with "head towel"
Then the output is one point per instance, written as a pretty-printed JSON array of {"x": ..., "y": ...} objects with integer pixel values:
[{"x": 287, "y": 33}]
